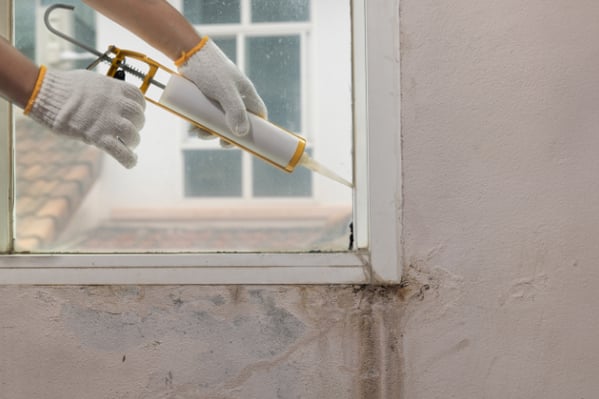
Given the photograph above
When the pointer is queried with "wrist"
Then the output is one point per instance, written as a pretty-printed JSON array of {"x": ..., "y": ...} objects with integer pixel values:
[
  {"x": 36, "y": 89},
  {"x": 51, "y": 91},
  {"x": 186, "y": 55}
]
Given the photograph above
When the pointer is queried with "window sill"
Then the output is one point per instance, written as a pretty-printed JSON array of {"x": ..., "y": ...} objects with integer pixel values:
[{"x": 209, "y": 268}]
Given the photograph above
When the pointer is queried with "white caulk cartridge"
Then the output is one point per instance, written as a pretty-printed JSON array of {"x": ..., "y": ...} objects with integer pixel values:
[{"x": 272, "y": 143}]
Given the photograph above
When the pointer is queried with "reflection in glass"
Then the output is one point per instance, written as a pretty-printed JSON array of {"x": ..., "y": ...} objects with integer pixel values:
[
  {"x": 205, "y": 12},
  {"x": 212, "y": 173},
  {"x": 271, "y": 182},
  {"x": 273, "y": 64},
  {"x": 280, "y": 10},
  {"x": 228, "y": 46},
  {"x": 25, "y": 14}
]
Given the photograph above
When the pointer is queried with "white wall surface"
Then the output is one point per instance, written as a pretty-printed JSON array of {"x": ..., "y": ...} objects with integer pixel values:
[{"x": 500, "y": 146}]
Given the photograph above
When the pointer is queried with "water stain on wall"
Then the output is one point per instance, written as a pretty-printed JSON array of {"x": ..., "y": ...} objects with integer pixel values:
[{"x": 232, "y": 342}]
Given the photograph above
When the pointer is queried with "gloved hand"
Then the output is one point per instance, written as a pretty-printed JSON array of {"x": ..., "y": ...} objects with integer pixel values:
[
  {"x": 85, "y": 105},
  {"x": 220, "y": 79}
]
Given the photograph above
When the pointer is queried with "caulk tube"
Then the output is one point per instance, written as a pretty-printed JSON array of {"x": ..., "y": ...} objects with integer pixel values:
[{"x": 266, "y": 140}]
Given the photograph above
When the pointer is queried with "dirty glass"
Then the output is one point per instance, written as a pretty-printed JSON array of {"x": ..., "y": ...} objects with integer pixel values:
[
  {"x": 25, "y": 13},
  {"x": 280, "y": 11},
  {"x": 212, "y": 11},
  {"x": 273, "y": 65},
  {"x": 228, "y": 45},
  {"x": 186, "y": 194},
  {"x": 212, "y": 173},
  {"x": 82, "y": 26},
  {"x": 271, "y": 182}
]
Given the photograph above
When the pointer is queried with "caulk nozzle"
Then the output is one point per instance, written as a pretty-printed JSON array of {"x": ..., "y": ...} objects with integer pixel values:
[{"x": 314, "y": 166}]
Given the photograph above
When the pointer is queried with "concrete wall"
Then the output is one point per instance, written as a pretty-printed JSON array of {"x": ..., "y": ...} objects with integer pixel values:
[
  {"x": 501, "y": 219},
  {"x": 501, "y": 187},
  {"x": 198, "y": 342}
]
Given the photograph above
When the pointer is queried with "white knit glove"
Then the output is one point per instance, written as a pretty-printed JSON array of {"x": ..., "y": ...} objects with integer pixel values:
[
  {"x": 220, "y": 79},
  {"x": 85, "y": 105}
]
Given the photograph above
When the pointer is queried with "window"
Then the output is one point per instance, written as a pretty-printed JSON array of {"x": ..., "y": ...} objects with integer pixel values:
[
  {"x": 257, "y": 228},
  {"x": 270, "y": 41}
]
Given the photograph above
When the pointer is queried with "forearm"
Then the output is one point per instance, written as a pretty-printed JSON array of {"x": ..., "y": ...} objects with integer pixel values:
[
  {"x": 18, "y": 75},
  {"x": 154, "y": 21}
]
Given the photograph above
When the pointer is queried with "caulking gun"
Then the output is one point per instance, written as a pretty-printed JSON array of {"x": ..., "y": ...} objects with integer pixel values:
[{"x": 273, "y": 144}]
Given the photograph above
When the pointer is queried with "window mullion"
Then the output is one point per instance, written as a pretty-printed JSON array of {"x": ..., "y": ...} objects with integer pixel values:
[
  {"x": 360, "y": 122},
  {"x": 247, "y": 178},
  {"x": 6, "y": 180},
  {"x": 6, "y": 158},
  {"x": 245, "y": 12},
  {"x": 304, "y": 80}
]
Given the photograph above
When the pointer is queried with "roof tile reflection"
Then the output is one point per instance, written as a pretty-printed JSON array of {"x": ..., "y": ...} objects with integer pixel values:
[{"x": 53, "y": 176}]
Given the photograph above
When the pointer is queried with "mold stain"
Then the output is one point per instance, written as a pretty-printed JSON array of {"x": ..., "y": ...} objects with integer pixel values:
[
  {"x": 275, "y": 328},
  {"x": 377, "y": 321}
]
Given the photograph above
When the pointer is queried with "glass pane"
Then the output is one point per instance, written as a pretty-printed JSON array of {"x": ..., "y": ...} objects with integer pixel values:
[
  {"x": 82, "y": 26},
  {"x": 187, "y": 194},
  {"x": 280, "y": 10},
  {"x": 272, "y": 182},
  {"x": 203, "y": 12},
  {"x": 25, "y": 16},
  {"x": 228, "y": 45},
  {"x": 212, "y": 173},
  {"x": 274, "y": 65}
]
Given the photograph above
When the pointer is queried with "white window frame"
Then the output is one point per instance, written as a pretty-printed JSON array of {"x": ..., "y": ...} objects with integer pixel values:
[{"x": 377, "y": 202}]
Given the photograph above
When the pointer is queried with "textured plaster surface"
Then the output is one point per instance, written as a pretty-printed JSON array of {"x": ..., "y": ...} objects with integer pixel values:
[
  {"x": 501, "y": 215},
  {"x": 198, "y": 342}
]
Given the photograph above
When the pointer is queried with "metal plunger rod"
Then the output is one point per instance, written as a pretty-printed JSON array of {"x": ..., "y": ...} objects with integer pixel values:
[{"x": 101, "y": 56}]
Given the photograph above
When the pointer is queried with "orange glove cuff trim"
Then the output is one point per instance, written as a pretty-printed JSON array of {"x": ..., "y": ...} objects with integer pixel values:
[
  {"x": 36, "y": 89},
  {"x": 187, "y": 55}
]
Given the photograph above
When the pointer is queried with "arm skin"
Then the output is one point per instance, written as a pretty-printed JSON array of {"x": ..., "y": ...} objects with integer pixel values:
[
  {"x": 18, "y": 75},
  {"x": 154, "y": 21}
]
